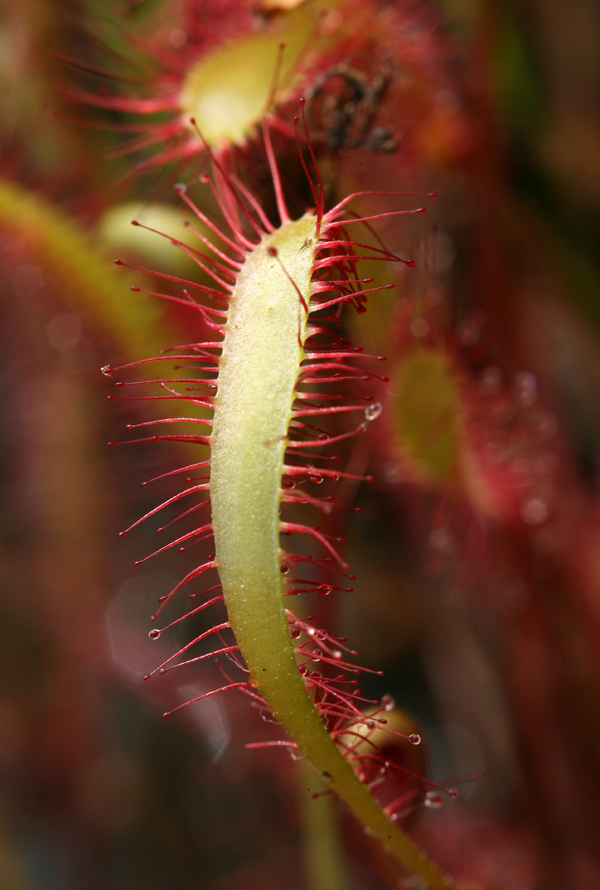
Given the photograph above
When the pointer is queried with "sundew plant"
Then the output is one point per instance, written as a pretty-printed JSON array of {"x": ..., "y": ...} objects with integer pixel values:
[{"x": 269, "y": 375}]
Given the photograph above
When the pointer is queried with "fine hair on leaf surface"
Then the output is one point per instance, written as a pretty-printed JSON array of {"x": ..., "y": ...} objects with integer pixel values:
[{"x": 259, "y": 392}]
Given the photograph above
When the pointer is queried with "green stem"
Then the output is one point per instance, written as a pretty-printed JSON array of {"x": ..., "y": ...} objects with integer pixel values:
[
  {"x": 258, "y": 373},
  {"x": 322, "y": 843}
]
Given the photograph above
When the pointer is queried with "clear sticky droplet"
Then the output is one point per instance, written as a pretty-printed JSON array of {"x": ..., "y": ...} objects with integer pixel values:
[
  {"x": 414, "y": 738},
  {"x": 373, "y": 411},
  {"x": 433, "y": 800},
  {"x": 154, "y": 634},
  {"x": 388, "y": 702}
]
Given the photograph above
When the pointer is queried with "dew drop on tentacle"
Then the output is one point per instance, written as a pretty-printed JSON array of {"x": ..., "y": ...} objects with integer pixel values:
[
  {"x": 414, "y": 738},
  {"x": 373, "y": 411},
  {"x": 154, "y": 634},
  {"x": 387, "y": 702},
  {"x": 433, "y": 800}
]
